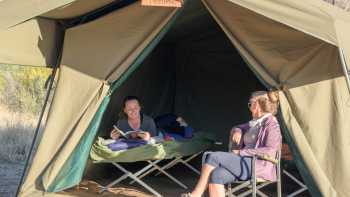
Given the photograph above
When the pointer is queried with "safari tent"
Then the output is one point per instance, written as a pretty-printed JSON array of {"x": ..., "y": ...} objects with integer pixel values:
[{"x": 200, "y": 60}]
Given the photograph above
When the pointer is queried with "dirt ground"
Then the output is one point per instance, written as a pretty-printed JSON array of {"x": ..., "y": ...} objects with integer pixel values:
[
  {"x": 10, "y": 174},
  {"x": 165, "y": 186}
]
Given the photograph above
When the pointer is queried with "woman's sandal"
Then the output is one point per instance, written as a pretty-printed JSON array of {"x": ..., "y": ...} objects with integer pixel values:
[{"x": 186, "y": 195}]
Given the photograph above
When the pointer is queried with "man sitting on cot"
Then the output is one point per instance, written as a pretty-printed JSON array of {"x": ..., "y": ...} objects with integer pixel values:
[{"x": 131, "y": 119}]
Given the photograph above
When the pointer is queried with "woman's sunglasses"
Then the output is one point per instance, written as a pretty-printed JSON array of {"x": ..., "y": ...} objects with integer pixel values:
[{"x": 250, "y": 104}]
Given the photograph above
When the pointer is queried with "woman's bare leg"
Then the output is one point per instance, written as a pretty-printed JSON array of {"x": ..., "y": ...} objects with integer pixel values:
[
  {"x": 216, "y": 190},
  {"x": 203, "y": 181}
]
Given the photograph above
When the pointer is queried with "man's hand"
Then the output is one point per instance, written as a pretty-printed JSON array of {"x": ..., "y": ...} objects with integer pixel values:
[
  {"x": 236, "y": 134},
  {"x": 115, "y": 134}
]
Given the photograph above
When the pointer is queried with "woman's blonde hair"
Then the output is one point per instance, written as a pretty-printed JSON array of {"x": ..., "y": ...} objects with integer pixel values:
[{"x": 268, "y": 100}]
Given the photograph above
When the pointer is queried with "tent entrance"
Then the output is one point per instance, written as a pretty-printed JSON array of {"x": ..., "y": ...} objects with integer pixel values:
[{"x": 194, "y": 72}]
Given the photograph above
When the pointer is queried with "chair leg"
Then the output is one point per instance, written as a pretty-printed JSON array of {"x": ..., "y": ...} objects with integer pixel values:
[
  {"x": 254, "y": 177},
  {"x": 279, "y": 187},
  {"x": 261, "y": 194},
  {"x": 229, "y": 190},
  {"x": 303, "y": 187},
  {"x": 279, "y": 179},
  {"x": 254, "y": 188}
]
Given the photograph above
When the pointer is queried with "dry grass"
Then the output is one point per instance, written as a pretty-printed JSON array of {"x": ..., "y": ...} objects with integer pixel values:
[{"x": 16, "y": 134}]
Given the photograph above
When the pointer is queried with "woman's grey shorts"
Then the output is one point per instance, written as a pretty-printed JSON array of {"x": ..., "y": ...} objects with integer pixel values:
[{"x": 229, "y": 167}]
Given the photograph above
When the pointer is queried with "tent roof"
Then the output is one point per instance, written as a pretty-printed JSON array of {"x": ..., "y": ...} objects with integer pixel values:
[
  {"x": 13, "y": 12},
  {"x": 313, "y": 17},
  {"x": 194, "y": 20},
  {"x": 76, "y": 8}
]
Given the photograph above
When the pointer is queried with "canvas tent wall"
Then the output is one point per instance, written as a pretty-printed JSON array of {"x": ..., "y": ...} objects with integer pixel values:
[
  {"x": 195, "y": 74},
  {"x": 303, "y": 57}
]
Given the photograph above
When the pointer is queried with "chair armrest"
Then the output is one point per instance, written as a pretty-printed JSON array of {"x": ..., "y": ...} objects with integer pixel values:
[{"x": 268, "y": 158}]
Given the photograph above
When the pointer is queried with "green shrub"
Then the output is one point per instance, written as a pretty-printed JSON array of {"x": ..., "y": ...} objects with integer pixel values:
[{"x": 22, "y": 87}]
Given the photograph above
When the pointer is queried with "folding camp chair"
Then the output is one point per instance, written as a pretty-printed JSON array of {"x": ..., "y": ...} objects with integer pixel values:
[
  {"x": 255, "y": 184},
  {"x": 287, "y": 156},
  {"x": 302, "y": 188}
]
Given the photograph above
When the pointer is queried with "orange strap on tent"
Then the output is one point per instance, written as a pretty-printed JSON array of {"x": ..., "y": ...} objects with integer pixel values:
[
  {"x": 286, "y": 153},
  {"x": 163, "y": 3}
]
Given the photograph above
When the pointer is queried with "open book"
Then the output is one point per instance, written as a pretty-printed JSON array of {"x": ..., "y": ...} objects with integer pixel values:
[{"x": 127, "y": 134}]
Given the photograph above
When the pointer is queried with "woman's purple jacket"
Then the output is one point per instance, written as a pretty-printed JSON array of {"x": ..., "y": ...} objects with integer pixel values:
[{"x": 268, "y": 143}]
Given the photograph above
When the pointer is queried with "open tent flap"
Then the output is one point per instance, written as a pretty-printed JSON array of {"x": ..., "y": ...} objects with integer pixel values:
[
  {"x": 79, "y": 94},
  {"x": 81, "y": 89},
  {"x": 316, "y": 18},
  {"x": 33, "y": 43},
  {"x": 315, "y": 99}
]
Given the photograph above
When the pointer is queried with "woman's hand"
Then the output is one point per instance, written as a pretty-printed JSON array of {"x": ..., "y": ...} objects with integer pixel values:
[
  {"x": 134, "y": 135},
  {"x": 235, "y": 152},
  {"x": 145, "y": 135},
  {"x": 114, "y": 134},
  {"x": 236, "y": 134}
]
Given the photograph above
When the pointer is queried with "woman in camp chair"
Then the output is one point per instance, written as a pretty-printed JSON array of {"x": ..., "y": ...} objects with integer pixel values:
[
  {"x": 261, "y": 136},
  {"x": 131, "y": 119}
]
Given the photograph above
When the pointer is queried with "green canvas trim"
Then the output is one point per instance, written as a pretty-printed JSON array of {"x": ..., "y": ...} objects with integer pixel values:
[
  {"x": 298, "y": 161},
  {"x": 73, "y": 169}
]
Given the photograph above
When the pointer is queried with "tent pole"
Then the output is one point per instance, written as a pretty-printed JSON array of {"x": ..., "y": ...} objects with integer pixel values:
[
  {"x": 41, "y": 116},
  {"x": 345, "y": 68}
]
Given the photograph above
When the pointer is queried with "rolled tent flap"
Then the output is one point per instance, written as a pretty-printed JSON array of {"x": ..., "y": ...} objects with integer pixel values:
[
  {"x": 31, "y": 43},
  {"x": 107, "y": 46},
  {"x": 316, "y": 18},
  {"x": 77, "y": 98},
  {"x": 315, "y": 100},
  {"x": 316, "y": 116},
  {"x": 89, "y": 57},
  {"x": 312, "y": 17}
]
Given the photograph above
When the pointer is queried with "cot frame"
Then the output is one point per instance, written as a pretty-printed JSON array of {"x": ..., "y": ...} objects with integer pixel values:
[{"x": 151, "y": 167}]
